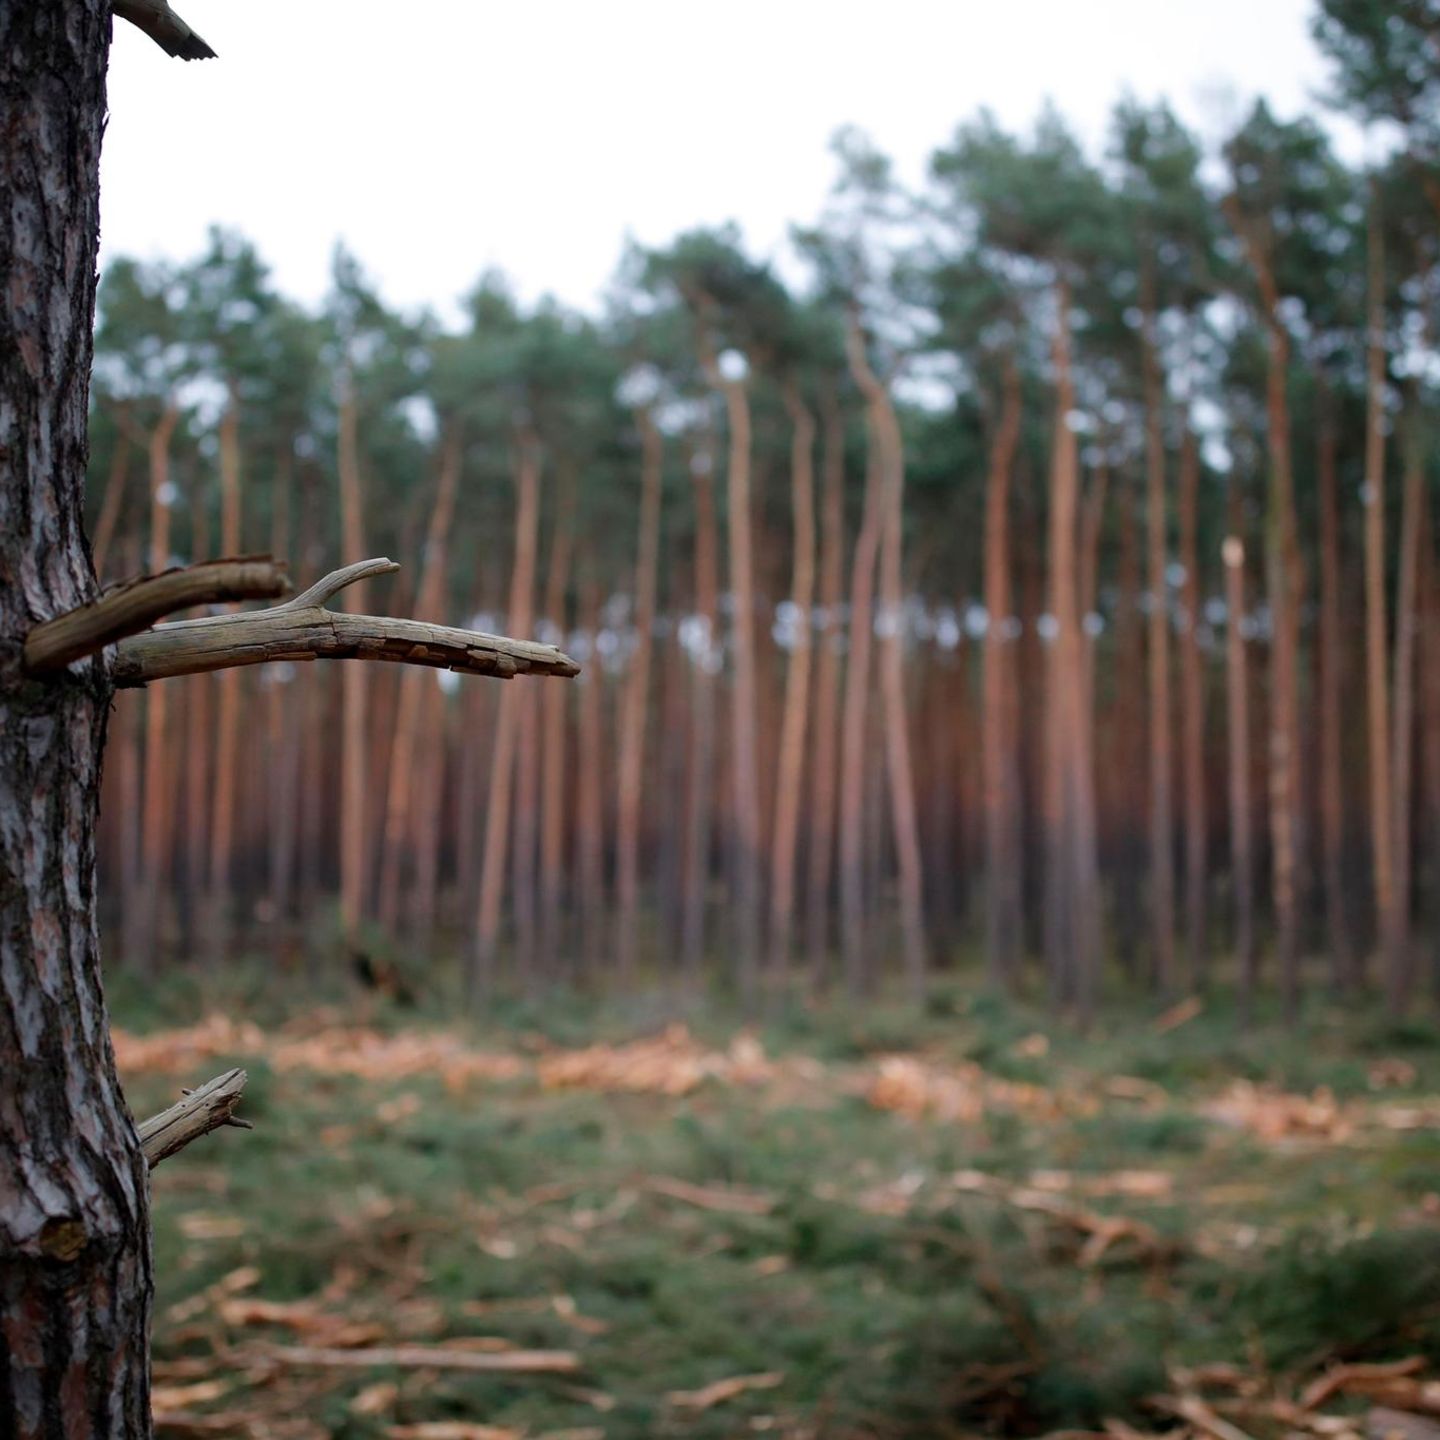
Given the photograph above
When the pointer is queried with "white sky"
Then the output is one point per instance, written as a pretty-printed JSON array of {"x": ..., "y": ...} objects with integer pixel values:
[{"x": 441, "y": 136}]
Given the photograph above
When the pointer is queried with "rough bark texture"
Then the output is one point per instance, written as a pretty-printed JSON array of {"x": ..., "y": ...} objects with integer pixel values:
[{"x": 75, "y": 1281}]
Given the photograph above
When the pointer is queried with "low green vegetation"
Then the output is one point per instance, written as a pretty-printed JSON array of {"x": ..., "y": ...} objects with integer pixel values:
[{"x": 919, "y": 1270}]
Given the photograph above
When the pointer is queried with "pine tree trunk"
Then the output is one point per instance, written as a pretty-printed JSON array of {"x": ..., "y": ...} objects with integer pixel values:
[
  {"x": 1001, "y": 773},
  {"x": 700, "y": 766},
  {"x": 821, "y": 835},
  {"x": 286, "y": 714},
  {"x": 518, "y": 616},
  {"x": 590, "y": 801},
  {"x": 1237, "y": 686},
  {"x": 1192, "y": 716},
  {"x": 636, "y": 701},
  {"x": 791, "y": 768},
  {"x": 115, "y": 484},
  {"x": 1162, "y": 823},
  {"x": 196, "y": 692},
  {"x": 1344, "y": 973},
  {"x": 75, "y": 1276},
  {"x": 354, "y": 819}
]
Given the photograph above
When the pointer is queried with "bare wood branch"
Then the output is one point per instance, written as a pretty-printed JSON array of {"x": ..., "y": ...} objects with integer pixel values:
[
  {"x": 165, "y": 28},
  {"x": 302, "y": 629},
  {"x": 54, "y": 644},
  {"x": 436, "y": 1357},
  {"x": 200, "y": 1112}
]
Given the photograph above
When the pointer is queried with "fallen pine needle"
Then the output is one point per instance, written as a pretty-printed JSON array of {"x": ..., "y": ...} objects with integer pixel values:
[{"x": 719, "y": 1391}]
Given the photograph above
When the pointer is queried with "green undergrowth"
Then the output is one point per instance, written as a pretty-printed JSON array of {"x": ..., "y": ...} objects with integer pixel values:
[{"x": 892, "y": 1302}]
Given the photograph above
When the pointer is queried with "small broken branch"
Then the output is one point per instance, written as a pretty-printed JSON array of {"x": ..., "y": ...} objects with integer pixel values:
[
  {"x": 200, "y": 1112},
  {"x": 54, "y": 644},
  {"x": 302, "y": 629},
  {"x": 436, "y": 1357},
  {"x": 165, "y": 28}
]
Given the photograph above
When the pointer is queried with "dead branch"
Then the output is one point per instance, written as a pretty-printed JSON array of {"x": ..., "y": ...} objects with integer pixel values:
[
  {"x": 435, "y": 1357},
  {"x": 200, "y": 1112},
  {"x": 165, "y": 28},
  {"x": 303, "y": 629},
  {"x": 54, "y": 644}
]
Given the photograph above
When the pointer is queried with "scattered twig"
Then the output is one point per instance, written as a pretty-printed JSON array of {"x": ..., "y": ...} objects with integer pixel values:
[
  {"x": 724, "y": 1200},
  {"x": 719, "y": 1391},
  {"x": 197, "y": 1114},
  {"x": 54, "y": 644},
  {"x": 1177, "y": 1015},
  {"x": 303, "y": 629},
  {"x": 434, "y": 1357}
]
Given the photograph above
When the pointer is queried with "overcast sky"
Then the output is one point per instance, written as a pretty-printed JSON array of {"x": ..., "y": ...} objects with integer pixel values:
[{"x": 438, "y": 137}]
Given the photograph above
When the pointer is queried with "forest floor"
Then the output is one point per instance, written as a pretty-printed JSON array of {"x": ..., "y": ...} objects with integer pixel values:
[{"x": 589, "y": 1227}]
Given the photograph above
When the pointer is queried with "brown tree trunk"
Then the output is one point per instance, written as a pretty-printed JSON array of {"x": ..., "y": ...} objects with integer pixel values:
[
  {"x": 555, "y": 706},
  {"x": 854, "y": 752},
  {"x": 1192, "y": 715},
  {"x": 590, "y": 800},
  {"x": 636, "y": 702},
  {"x": 1127, "y": 739},
  {"x": 415, "y": 687},
  {"x": 821, "y": 837},
  {"x": 700, "y": 767},
  {"x": 1344, "y": 972},
  {"x": 196, "y": 692},
  {"x": 1000, "y": 705},
  {"x": 1162, "y": 822},
  {"x": 354, "y": 819},
  {"x": 884, "y": 434},
  {"x": 791, "y": 768},
  {"x": 518, "y": 617},
  {"x": 75, "y": 1280},
  {"x": 1237, "y": 686},
  {"x": 228, "y": 732},
  {"x": 114, "y": 500},
  {"x": 285, "y": 718}
]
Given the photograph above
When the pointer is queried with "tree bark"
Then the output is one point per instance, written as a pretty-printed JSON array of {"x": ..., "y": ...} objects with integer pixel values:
[
  {"x": 75, "y": 1269},
  {"x": 791, "y": 768},
  {"x": 1192, "y": 712},
  {"x": 354, "y": 837},
  {"x": 636, "y": 702},
  {"x": 1237, "y": 685},
  {"x": 1000, "y": 704}
]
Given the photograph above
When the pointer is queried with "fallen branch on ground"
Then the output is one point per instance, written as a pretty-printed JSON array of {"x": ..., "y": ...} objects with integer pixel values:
[
  {"x": 54, "y": 644},
  {"x": 435, "y": 1357},
  {"x": 303, "y": 629},
  {"x": 200, "y": 1112}
]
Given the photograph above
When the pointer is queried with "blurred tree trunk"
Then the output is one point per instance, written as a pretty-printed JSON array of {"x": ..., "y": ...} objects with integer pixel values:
[
  {"x": 75, "y": 1282},
  {"x": 555, "y": 706},
  {"x": 1344, "y": 972},
  {"x": 196, "y": 692},
  {"x": 1003, "y": 936},
  {"x": 854, "y": 751},
  {"x": 354, "y": 680},
  {"x": 285, "y": 717},
  {"x": 1192, "y": 716},
  {"x": 228, "y": 731},
  {"x": 791, "y": 766},
  {"x": 700, "y": 768},
  {"x": 1237, "y": 687},
  {"x": 885, "y": 438},
  {"x": 590, "y": 802},
  {"x": 1162, "y": 819},
  {"x": 636, "y": 700},
  {"x": 159, "y": 802},
  {"x": 1127, "y": 737},
  {"x": 115, "y": 486},
  {"x": 416, "y": 684},
  {"x": 821, "y": 837},
  {"x": 518, "y": 619}
]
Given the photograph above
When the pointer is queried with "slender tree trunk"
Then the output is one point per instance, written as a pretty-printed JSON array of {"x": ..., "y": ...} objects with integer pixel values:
[
  {"x": 354, "y": 819},
  {"x": 415, "y": 686},
  {"x": 1398, "y": 974},
  {"x": 228, "y": 732},
  {"x": 1344, "y": 972},
  {"x": 854, "y": 753},
  {"x": 791, "y": 769},
  {"x": 590, "y": 800},
  {"x": 1162, "y": 821},
  {"x": 1127, "y": 736},
  {"x": 115, "y": 485},
  {"x": 821, "y": 835},
  {"x": 1192, "y": 703},
  {"x": 518, "y": 617},
  {"x": 155, "y": 834},
  {"x": 636, "y": 702},
  {"x": 1001, "y": 770},
  {"x": 700, "y": 767},
  {"x": 1237, "y": 685},
  {"x": 555, "y": 706},
  {"x": 197, "y": 744},
  {"x": 286, "y": 714},
  {"x": 75, "y": 1282},
  {"x": 884, "y": 434}
]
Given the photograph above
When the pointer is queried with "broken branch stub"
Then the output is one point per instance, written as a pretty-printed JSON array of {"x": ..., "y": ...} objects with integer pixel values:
[
  {"x": 197, "y": 1114},
  {"x": 303, "y": 629},
  {"x": 54, "y": 644}
]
